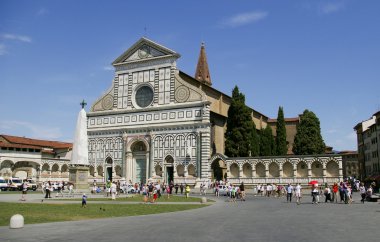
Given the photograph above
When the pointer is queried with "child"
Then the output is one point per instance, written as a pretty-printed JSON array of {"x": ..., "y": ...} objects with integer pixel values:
[{"x": 84, "y": 200}]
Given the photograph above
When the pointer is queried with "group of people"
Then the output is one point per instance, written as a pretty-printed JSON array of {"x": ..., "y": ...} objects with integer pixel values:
[
  {"x": 48, "y": 187},
  {"x": 232, "y": 191}
]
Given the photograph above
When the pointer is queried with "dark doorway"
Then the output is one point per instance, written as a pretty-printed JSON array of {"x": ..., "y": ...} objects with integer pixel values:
[
  {"x": 109, "y": 173},
  {"x": 169, "y": 174}
]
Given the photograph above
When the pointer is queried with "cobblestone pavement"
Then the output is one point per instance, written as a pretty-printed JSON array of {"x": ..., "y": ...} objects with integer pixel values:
[{"x": 257, "y": 219}]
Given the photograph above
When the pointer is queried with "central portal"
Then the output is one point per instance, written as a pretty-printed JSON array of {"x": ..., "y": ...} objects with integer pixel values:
[
  {"x": 140, "y": 170},
  {"x": 169, "y": 174}
]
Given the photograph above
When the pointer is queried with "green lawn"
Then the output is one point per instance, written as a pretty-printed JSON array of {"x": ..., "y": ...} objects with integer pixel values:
[
  {"x": 139, "y": 198},
  {"x": 45, "y": 213}
]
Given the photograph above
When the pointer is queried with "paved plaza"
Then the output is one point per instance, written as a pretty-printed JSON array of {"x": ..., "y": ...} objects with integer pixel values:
[{"x": 257, "y": 219}]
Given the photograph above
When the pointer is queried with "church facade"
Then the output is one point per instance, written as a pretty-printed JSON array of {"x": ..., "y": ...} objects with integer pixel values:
[
  {"x": 151, "y": 124},
  {"x": 157, "y": 123}
]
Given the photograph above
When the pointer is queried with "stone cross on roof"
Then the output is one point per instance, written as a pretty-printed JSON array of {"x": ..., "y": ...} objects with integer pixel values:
[{"x": 83, "y": 103}]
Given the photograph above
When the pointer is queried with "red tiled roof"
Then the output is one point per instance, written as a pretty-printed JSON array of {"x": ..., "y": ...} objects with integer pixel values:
[
  {"x": 2, "y": 144},
  {"x": 37, "y": 142},
  {"x": 348, "y": 152},
  {"x": 273, "y": 120}
]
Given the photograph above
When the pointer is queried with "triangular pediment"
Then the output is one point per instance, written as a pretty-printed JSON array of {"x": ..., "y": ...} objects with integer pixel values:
[{"x": 144, "y": 49}]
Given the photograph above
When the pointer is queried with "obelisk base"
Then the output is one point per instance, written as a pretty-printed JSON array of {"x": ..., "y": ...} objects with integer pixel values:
[{"x": 79, "y": 177}]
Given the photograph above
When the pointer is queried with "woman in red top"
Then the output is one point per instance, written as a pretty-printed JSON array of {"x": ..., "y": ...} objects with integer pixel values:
[{"x": 335, "y": 189}]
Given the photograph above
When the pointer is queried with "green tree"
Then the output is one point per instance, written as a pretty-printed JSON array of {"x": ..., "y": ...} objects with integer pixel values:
[
  {"x": 267, "y": 142},
  {"x": 281, "y": 144},
  {"x": 308, "y": 139},
  {"x": 241, "y": 136}
]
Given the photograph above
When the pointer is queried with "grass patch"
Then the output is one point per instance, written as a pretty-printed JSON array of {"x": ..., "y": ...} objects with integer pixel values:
[
  {"x": 139, "y": 198},
  {"x": 45, "y": 213}
]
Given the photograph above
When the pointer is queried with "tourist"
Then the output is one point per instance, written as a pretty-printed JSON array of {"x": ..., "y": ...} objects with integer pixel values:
[
  {"x": 171, "y": 185},
  {"x": 150, "y": 191},
  {"x": 48, "y": 188},
  {"x": 269, "y": 190},
  {"x": 362, "y": 191},
  {"x": 233, "y": 194},
  {"x": 84, "y": 200},
  {"x": 24, "y": 188},
  {"x": 259, "y": 190},
  {"x": 168, "y": 191},
  {"x": 341, "y": 192},
  {"x": 298, "y": 192},
  {"x": 217, "y": 191},
  {"x": 335, "y": 191},
  {"x": 71, "y": 190},
  {"x": 349, "y": 194},
  {"x": 94, "y": 187},
  {"x": 155, "y": 194},
  {"x": 187, "y": 191},
  {"x": 242, "y": 191},
  {"x": 181, "y": 188},
  {"x": 327, "y": 194},
  {"x": 108, "y": 187},
  {"x": 113, "y": 190},
  {"x": 369, "y": 192},
  {"x": 289, "y": 193},
  {"x": 158, "y": 189},
  {"x": 315, "y": 194},
  {"x": 176, "y": 188}
]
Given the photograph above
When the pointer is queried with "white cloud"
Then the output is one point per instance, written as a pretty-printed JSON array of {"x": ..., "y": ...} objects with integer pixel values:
[
  {"x": 21, "y": 38},
  {"x": 108, "y": 68},
  {"x": 331, "y": 7},
  {"x": 3, "y": 50},
  {"x": 244, "y": 18},
  {"x": 30, "y": 130}
]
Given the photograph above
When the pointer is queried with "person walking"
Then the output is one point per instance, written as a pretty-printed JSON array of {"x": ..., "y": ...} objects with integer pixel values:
[
  {"x": 327, "y": 194},
  {"x": 289, "y": 193},
  {"x": 362, "y": 192},
  {"x": 181, "y": 188},
  {"x": 48, "y": 188},
  {"x": 335, "y": 190},
  {"x": 298, "y": 192},
  {"x": 314, "y": 194},
  {"x": 113, "y": 190},
  {"x": 84, "y": 200},
  {"x": 242, "y": 191},
  {"x": 24, "y": 188},
  {"x": 176, "y": 188},
  {"x": 187, "y": 191}
]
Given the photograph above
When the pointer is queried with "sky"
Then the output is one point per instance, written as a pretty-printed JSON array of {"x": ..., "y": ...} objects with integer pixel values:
[{"x": 321, "y": 55}]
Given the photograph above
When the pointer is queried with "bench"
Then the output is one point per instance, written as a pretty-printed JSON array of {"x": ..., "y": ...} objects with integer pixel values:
[{"x": 373, "y": 198}]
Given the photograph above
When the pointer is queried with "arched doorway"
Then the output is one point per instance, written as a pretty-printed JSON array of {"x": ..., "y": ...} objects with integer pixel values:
[
  {"x": 140, "y": 162},
  {"x": 169, "y": 164},
  {"x": 109, "y": 169},
  {"x": 218, "y": 170}
]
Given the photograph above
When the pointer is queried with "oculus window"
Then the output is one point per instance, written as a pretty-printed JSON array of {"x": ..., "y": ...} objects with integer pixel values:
[{"x": 144, "y": 96}]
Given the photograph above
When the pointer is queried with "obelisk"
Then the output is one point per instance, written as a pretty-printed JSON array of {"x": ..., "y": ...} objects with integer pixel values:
[{"x": 79, "y": 165}]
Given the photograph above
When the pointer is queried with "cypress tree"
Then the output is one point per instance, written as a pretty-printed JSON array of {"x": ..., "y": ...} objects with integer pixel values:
[
  {"x": 267, "y": 142},
  {"x": 241, "y": 137},
  {"x": 281, "y": 144},
  {"x": 255, "y": 140},
  {"x": 308, "y": 140}
]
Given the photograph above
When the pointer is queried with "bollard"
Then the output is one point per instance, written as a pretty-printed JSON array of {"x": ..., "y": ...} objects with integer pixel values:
[
  {"x": 203, "y": 200},
  {"x": 17, "y": 221}
]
